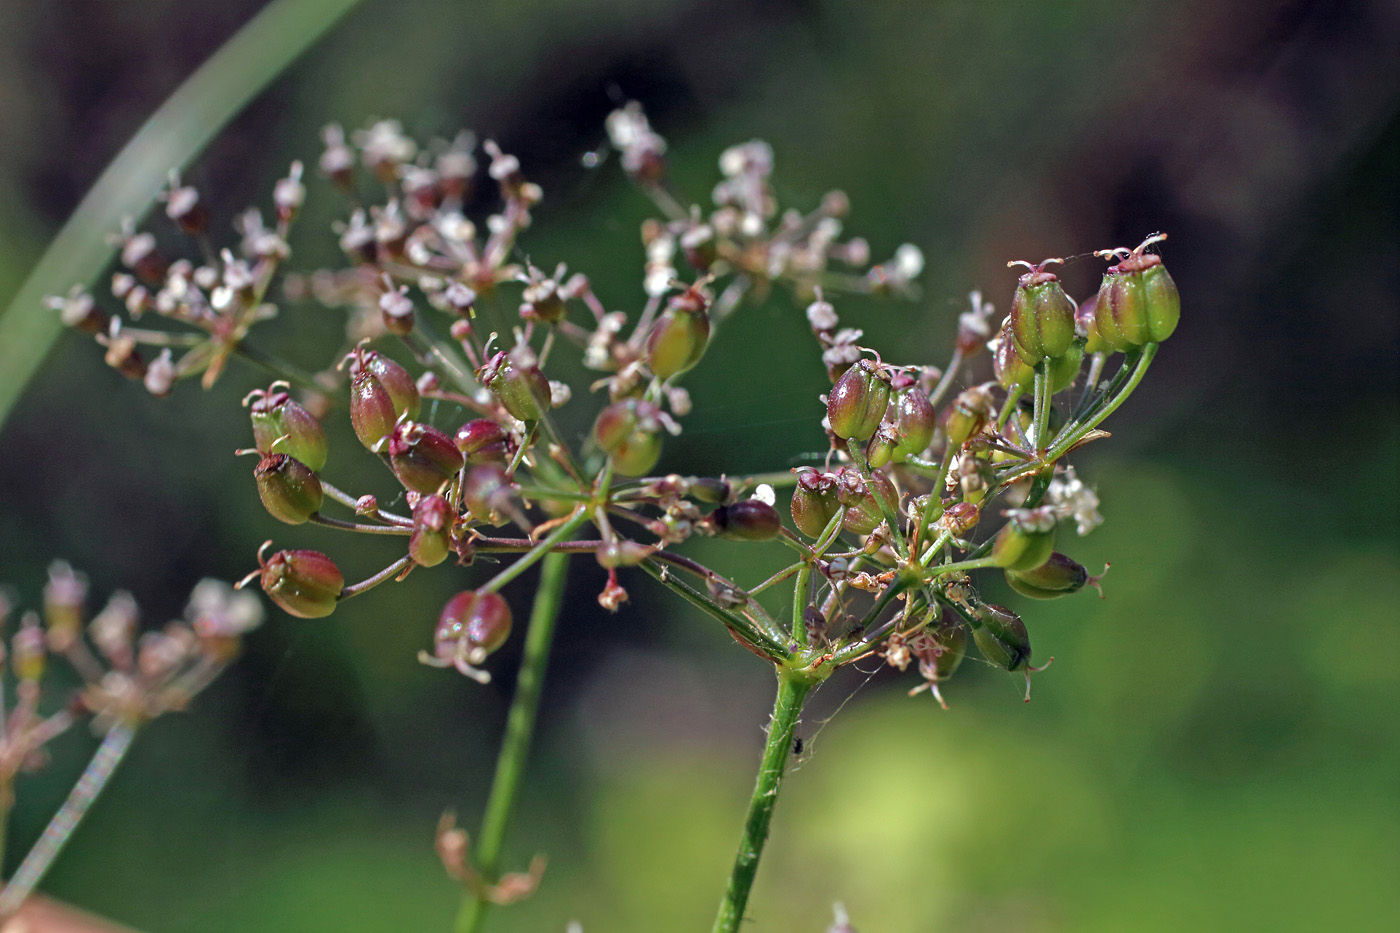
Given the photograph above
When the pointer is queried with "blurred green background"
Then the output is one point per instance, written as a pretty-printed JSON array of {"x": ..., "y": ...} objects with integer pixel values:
[{"x": 1217, "y": 746}]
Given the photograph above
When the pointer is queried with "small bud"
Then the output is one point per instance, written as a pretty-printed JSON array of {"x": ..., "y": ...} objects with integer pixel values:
[
  {"x": 28, "y": 651},
  {"x": 678, "y": 338},
  {"x": 1002, "y": 637},
  {"x": 422, "y": 457},
  {"x": 396, "y": 311},
  {"x": 470, "y": 627},
  {"x": 281, "y": 425},
  {"x": 863, "y": 513},
  {"x": 746, "y": 520},
  {"x": 814, "y": 502},
  {"x": 1026, "y": 540},
  {"x": 289, "y": 490},
  {"x": 183, "y": 206},
  {"x": 431, "y": 541},
  {"x": 305, "y": 584},
  {"x": 521, "y": 389},
  {"x": 64, "y": 596},
  {"x": 628, "y": 431},
  {"x": 483, "y": 441},
  {"x": 960, "y": 518},
  {"x": 856, "y": 405},
  {"x": 79, "y": 311},
  {"x": 1042, "y": 317}
]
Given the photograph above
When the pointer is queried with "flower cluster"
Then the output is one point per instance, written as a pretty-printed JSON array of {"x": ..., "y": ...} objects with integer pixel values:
[{"x": 885, "y": 531}]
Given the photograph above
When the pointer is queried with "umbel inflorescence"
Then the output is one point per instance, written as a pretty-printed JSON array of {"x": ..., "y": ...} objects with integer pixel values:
[{"x": 933, "y": 472}]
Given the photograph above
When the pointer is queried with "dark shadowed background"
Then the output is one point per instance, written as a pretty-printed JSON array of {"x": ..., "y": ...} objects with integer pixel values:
[{"x": 1216, "y": 747}]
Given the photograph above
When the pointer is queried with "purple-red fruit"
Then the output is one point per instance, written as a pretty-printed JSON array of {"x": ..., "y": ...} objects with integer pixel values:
[
  {"x": 747, "y": 520},
  {"x": 856, "y": 404},
  {"x": 422, "y": 457},
  {"x": 306, "y": 584}
]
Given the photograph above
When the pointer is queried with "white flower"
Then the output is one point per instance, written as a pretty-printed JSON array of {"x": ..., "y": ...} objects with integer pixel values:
[{"x": 1070, "y": 496}]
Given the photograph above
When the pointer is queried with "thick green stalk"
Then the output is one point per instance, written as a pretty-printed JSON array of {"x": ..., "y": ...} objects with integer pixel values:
[
  {"x": 792, "y": 691},
  {"x": 520, "y": 728}
]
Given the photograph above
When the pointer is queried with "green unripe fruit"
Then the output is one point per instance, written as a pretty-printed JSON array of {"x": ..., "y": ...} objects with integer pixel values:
[
  {"x": 969, "y": 413},
  {"x": 1042, "y": 317},
  {"x": 1064, "y": 369},
  {"x": 431, "y": 541},
  {"x": 863, "y": 513},
  {"x": 678, "y": 338},
  {"x": 914, "y": 423},
  {"x": 1138, "y": 302},
  {"x": 306, "y": 584},
  {"x": 522, "y": 390},
  {"x": 857, "y": 403},
  {"x": 281, "y": 425},
  {"x": 951, "y": 637},
  {"x": 1002, "y": 638},
  {"x": 1058, "y": 576},
  {"x": 1026, "y": 540},
  {"x": 629, "y": 432},
  {"x": 1009, "y": 370},
  {"x": 289, "y": 490},
  {"x": 747, "y": 520},
  {"x": 881, "y": 447},
  {"x": 814, "y": 502}
]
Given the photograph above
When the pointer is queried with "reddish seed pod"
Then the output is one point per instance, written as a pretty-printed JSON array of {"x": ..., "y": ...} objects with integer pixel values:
[
  {"x": 483, "y": 441},
  {"x": 487, "y": 492},
  {"x": 856, "y": 404},
  {"x": 422, "y": 457},
  {"x": 431, "y": 541},
  {"x": 1086, "y": 325},
  {"x": 288, "y": 488},
  {"x": 306, "y": 584},
  {"x": 471, "y": 626},
  {"x": 372, "y": 413},
  {"x": 1010, "y": 371},
  {"x": 961, "y": 517},
  {"x": 403, "y": 391},
  {"x": 747, "y": 520}
]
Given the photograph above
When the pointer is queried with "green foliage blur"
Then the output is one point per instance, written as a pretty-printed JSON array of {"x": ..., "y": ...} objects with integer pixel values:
[{"x": 1215, "y": 746}]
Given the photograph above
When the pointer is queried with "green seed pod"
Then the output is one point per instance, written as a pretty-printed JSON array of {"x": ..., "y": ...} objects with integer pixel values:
[
  {"x": 281, "y": 425},
  {"x": 521, "y": 389},
  {"x": 629, "y": 432},
  {"x": 746, "y": 520},
  {"x": 678, "y": 338},
  {"x": 857, "y": 403},
  {"x": 863, "y": 514},
  {"x": 471, "y": 626},
  {"x": 288, "y": 488},
  {"x": 914, "y": 423},
  {"x": 1064, "y": 369},
  {"x": 1002, "y": 637},
  {"x": 968, "y": 414},
  {"x": 483, "y": 441},
  {"x": 814, "y": 502},
  {"x": 1010, "y": 371},
  {"x": 881, "y": 447},
  {"x": 1058, "y": 576},
  {"x": 1026, "y": 540},
  {"x": 1042, "y": 317},
  {"x": 306, "y": 584},
  {"x": 1138, "y": 302},
  {"x": 431, "y": 541},
  {"x": 422, "y": 457},
  {"x": 1086, "y": 325},
  {"x": 951, "y": 637},
  {"x": 1163, "y": 300}
]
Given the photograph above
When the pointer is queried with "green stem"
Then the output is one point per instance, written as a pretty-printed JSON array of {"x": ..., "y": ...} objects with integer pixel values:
[
  {"x": 787, "y": 707},
  {"x": 520, "y": 727}
]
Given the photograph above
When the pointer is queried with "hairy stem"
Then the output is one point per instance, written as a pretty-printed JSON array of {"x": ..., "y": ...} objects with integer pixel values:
[
  {"x": 520, "y": 728},
  {"x": 792, "y": 691}
]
